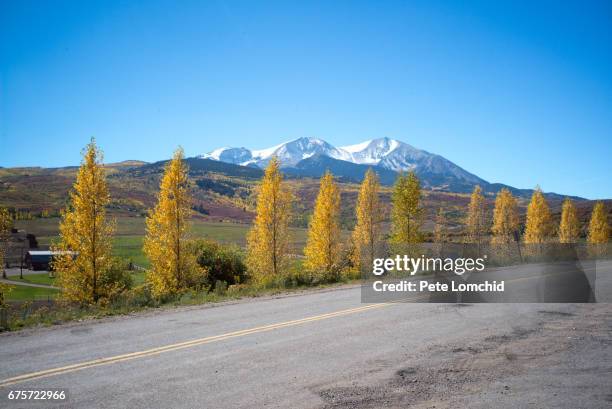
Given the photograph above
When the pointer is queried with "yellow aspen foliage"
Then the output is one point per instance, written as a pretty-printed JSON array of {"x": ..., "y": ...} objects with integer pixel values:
[
  {"x": 323, "y": 246},
  {"x": 406, "y": 213},
  {"x": 6, "y": 223},
  {"x": 4, "y": 290},
  {"x": 268, "y": 239},
  {"x": 440, "y": 233},
  {"x": 367, "y": 233},
  {"x": 599, "y": 230},
  {"x": 539, "y": 223},
  {"x": 476, "y": 218},
  {"x": 505, "y": 218},
  {"x": 569, "y": 227},
  {"x": 166, "y": 244},
  {"x": 85, "y": 243},
  {"x": 440, "y": 228}
]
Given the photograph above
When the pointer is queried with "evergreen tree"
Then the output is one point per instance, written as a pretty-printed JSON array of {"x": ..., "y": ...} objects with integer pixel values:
[
  {"x": 599, "y": 230},
  {"x": 367, "y": 233},
  {"x": 476, "y": 220},
  {"x": 569, "y": 227},
  {"x": 85, "y": 246},
  {"x": 406, "y": 213},
  {"x": 166, "y": 244},
  {"x": 538, "y": 226},
  {"x": 323, "y": 247},
  {"x": 268, "y": 239},
  {"x": 505, "y": 218}
]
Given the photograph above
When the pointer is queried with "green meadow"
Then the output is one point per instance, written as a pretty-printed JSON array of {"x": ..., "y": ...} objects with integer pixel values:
[
  {"x": 41, "y": 278},
  {"x": 128, "y": 240},
  {"x": 25, "y": 293},
  {"x": 130, "y": 232}
]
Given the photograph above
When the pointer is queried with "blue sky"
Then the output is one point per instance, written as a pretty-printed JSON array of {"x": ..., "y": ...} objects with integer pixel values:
[{"x": 519, "y": 93}]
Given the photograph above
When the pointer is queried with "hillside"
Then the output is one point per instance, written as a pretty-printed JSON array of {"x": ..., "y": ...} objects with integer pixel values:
[{"x": 226, "y": 192}]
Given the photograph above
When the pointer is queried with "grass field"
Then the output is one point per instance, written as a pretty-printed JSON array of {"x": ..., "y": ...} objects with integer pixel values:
[
  {"x": 128, "y": 241},
  {"x": 42, "y": 278},
  {"x": 23, "y": 293},
  {"x": 130, "y": 233}
]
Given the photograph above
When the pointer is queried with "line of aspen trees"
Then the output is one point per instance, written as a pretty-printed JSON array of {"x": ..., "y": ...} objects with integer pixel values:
[
  {"x": 87, "y": 272},
  {"x": 325, "y": 254}
]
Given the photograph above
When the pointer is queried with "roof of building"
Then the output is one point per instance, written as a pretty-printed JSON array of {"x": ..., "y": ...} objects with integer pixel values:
[{"x": 48, "y": 252}]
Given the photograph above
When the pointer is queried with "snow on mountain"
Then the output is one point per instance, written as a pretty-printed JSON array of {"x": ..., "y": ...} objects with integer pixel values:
[
  {"x": 384, "y": 153},
  {"x": 357, "y": 147},
  {"x": 236, "y": 156},
  {"x": 292, "y": 152},
  {"x": 289, "y": 153},
  {"x": 373, "y": 151}
]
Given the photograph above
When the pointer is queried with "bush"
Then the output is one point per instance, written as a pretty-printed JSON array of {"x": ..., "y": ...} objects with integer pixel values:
[
  {"x": 224, "y": 263},
  {"x": 117, "y": 277},
  {"x": 140, "y": 297},
  {"x": 220, "y": 287},
  {"x": 237, "y": 289}
]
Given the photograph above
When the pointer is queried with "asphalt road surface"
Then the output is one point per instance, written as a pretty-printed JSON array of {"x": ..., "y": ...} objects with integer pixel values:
[{"x": 322, "y": 349}]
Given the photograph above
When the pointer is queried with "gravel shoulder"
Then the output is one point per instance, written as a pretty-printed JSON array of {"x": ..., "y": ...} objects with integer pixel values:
[{"x": 563, "y": 360}]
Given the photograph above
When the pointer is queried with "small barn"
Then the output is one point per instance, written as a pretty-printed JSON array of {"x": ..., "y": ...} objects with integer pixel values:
[{"x": 41, "y": 259}]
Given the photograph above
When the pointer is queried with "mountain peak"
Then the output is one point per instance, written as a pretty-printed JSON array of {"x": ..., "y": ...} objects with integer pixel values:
[
  {"x": 384, "y": 153},
  {"x": 373, "y": 151}
]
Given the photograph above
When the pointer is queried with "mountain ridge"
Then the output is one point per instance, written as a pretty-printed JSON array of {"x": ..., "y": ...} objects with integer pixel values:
[{"x": 383, "y": 154}]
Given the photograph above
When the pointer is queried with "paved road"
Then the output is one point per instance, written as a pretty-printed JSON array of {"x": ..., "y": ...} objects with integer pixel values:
[
  {"x": 15, "y": 271},
  {"x": 13, "y": 275},
  {"x": 323, "y": 349}
]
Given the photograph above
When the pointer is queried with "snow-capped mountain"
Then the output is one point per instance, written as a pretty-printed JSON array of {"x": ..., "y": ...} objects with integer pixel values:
[
  {"x": 373, "y": 151},
  {"x": 385, "y": 153},
  {"x": 289, "y": 153},
  {"x": 230, "y": 155}
]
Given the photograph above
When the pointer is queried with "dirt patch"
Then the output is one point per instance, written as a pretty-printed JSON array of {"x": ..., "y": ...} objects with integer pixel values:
[
  {"x": 517, "y": 333},
  {"x": 471, "y": 350},
  {"x": 452, "y": 371},
  {"x": 557, "y": 313}
]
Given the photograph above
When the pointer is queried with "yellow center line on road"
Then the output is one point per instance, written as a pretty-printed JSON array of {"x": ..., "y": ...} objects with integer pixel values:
[
  {"x": 180, "y": 345},
  {"x": 206, "y": 340}
]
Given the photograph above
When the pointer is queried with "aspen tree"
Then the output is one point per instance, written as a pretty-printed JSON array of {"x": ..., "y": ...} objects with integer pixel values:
[
  {"x": 569, "y": 227},
  {"x": 440, "y": 232},
  {"x": 599, "y": 230},
  {"x": 6, "y": 223},
  {"x": 268, "y": 239},
  {"x": 505, "y": 218},
  {"x": 476, "y": 219},
  {"x": 86, "y": 234},
  {"x": 367, "y": 233},
  {"x": 440, "y": 228},
  {"x": 406, "y": 213},
  {"x": 166, "y": 243},
  {"x": 323, "y": 246},
  {"x": 538, "y": 225}
]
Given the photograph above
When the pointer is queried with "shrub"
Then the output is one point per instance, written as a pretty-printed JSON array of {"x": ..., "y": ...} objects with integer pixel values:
[
  {"x": 237, "y": 289},
  {"x": 141, "y": 296},
  {"x": 118, "y": 276},
  {"x": 220, "y": 287},
  {"x": 224, "y": 263}
]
